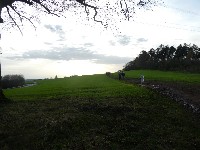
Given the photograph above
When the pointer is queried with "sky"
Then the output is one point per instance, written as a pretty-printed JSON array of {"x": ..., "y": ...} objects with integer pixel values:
[{"x": 75, "y": 46}]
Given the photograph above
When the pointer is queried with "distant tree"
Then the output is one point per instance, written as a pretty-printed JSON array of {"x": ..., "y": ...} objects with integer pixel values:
[
  {"x": 181, "y": 52},
  {"x": 56, "y": 77},
  {"x": 172, "y": 50},
  {"x": 153, "y": 60},
  {"x": 196, "y": 52},
  {"x": 160, "y": 53},
  {"x": 144, "y": 58},
  {"x": 10, "y": 81},
  {"x": 152, "y": 54},
  {"x": 129, "y": 66},
  {"x": 108, "y": 73},
  {"x": 183, "y": 58}
]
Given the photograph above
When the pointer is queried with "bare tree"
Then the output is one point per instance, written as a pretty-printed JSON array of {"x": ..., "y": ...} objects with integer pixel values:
[{"x": 13, "y": 12}]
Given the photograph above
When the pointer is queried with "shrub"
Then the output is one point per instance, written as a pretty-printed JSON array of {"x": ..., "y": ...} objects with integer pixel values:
[{"x": 10, "y": 81}]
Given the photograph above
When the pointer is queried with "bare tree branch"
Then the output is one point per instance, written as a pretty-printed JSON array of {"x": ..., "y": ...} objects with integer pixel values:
[
  {"x": 96, "y": 15},
  {"x": 105, "y": 9},
  {"x": 47, "y": 9},
  {"x": 82, "y": 2},
  {"x": 22, "y": 16},
  {"x": 13, "y": 19}
]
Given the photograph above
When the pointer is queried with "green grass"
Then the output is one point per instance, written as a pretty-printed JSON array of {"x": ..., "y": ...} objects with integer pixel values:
[
  {"x": 94, "y": 112},
  {"x": 99, "y": 86},
  {"x": 164, "y": 76}
]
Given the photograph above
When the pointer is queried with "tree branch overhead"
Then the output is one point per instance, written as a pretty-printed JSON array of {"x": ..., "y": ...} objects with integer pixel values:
[{"x": 102, "y": 9}]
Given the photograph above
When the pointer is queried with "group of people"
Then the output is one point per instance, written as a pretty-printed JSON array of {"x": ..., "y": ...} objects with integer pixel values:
[{"x": 121, "y": 74}]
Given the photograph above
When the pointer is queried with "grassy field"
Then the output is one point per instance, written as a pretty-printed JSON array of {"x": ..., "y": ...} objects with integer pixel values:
[
  {"x": 94, "y": 112},
  {"x": 96, "y": 86},
  {"x": 164, "y": 76}
]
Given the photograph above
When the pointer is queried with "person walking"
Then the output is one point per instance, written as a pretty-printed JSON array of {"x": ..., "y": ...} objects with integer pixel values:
[{"x": 119, "y": 75}]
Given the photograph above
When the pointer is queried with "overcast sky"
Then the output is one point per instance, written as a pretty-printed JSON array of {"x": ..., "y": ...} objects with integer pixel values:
[{"x": 75, "y": 46}]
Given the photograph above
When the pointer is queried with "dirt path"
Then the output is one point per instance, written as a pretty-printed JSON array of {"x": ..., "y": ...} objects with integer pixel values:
[{"x": 184, "y": 93}]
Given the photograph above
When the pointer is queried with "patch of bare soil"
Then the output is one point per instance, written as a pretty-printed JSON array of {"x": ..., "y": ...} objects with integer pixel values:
[{"x": 184, "y": 93}]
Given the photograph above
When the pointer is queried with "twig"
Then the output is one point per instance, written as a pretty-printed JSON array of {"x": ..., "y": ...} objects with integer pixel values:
[
  {"x": 82, "y": 2},
  {"x": 13, "y": 19},
  {"x": 22, "y": 16},
  {"x": 47, "y": 9}
]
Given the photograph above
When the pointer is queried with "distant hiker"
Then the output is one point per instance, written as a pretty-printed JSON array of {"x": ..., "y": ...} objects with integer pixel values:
[
  {"x": 142, "y": 79},
  {"x": 123, "y": 75},
  {"x": 119, "y": 75}
]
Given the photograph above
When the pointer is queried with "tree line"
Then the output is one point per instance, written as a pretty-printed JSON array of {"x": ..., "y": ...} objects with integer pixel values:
[
  {"x": 185, "y": 57},
  {"x": 10, "y": 81}
]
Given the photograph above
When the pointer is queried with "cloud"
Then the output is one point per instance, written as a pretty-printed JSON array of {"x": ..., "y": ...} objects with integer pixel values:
[
  {"x": 112, "y": 59},
  {"x": 54, "y": 28},
  {"x": 47, "y": 43},
  {"x": 58, "y": 30},
  {"x": 124, "y": 40},
  {"x": 140, "y": 40},
  {"x": 112, "y": 43},
  {"x": 88, "y": 44},
  {"x": 72, "y": 53}
]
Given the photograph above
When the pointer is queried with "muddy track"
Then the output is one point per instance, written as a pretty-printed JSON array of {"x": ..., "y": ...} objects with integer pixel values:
[{"x": 186, "y": 94}]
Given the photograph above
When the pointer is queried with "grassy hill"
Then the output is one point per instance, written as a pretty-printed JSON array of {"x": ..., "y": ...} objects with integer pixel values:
[
  {"x": 166, "y": 76},
  {"x": 96, "y": 86},
  {"x": 94, "y": 112}
]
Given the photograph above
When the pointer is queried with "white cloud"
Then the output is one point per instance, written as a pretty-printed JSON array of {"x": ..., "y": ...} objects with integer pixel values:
[
  {"x": 124, "y": 40},
  {"x": 71, "y": 53},
  {"x": 140, "y": 40}
]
